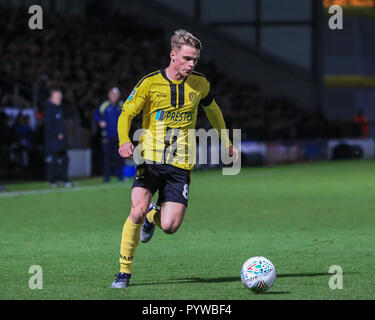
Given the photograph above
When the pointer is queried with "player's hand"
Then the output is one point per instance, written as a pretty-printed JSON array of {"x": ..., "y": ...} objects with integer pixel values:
[
  {"x": 233, "y": 152},
  {"x": 60, "y": 136},
  {"x": 102, "y": 124},
  {"x": 126, "y": 150}
]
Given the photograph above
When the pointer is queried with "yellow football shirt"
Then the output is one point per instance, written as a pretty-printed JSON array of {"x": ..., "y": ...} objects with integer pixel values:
[{"x": 169, "y": 109}]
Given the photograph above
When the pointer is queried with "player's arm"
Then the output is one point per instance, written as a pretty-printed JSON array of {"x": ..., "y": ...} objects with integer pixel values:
[
  {"x": 215, "y": 117},
  {"x": 132, "y": 106}
]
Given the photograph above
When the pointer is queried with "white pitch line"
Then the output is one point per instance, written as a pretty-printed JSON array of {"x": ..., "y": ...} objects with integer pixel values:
[
  {"x": 102, "y": 186},
  {"x": 62, "y": 190}
]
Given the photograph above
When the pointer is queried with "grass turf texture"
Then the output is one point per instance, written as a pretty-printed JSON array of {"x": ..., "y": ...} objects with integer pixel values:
[{"x": 304, "y": 218}]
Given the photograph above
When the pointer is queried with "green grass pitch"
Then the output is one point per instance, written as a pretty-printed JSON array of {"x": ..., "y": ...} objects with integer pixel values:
[{"x": 304, "y": 218}]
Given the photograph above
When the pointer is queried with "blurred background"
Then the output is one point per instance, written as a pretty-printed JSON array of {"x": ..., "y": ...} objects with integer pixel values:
[{"x": 292, "y": 85}]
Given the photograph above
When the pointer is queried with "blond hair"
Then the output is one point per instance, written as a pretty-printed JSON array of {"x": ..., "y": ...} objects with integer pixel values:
[{"x": 182, "y": 37}]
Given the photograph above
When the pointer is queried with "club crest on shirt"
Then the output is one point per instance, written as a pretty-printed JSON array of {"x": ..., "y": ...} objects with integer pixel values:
[{"x": 193, "y": 96}]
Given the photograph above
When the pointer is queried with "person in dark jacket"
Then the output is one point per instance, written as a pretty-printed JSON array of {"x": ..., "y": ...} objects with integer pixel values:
[
  {"x": 107, "y": 116},
  {"x": 1, "y": 185},
  {"x": 55, "y": 141}
]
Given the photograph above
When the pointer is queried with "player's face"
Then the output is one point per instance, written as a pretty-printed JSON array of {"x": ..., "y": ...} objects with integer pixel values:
[{"x": 184, "y": 59}]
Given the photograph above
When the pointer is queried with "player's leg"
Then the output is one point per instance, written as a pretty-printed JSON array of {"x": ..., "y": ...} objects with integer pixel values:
[
  {"x": 152, "y": 219},
  {"x": 168, "y": 218},
  {"x": 140, "y": 201},
  {"x": 171, "y": 216},
  {"x": 173, "y": 197}
]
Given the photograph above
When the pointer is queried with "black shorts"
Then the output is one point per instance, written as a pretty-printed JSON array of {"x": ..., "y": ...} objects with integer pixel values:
[{"x": 172, "y": 182}]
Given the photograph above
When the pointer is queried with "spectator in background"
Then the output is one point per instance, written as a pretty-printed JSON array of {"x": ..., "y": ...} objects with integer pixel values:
[
  {"x": 1, "y": 183},
  {"x": 1, "y": 149},
  {"x": 6, "y": 139},
  {"x": 1, "y": 164},
  {"x": 107, "y": 116},
  {"x": 1, "y": 187},
  {"x": 23, "y": 132},
  {"x": 55, "y": 142},
  {"x": 363, "y": 124}
]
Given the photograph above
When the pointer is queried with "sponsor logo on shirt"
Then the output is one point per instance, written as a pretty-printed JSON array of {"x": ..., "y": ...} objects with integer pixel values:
[{"x": 174, "y": 116}]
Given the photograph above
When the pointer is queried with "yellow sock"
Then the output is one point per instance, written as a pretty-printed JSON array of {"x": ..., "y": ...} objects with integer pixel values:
[
  {"x": 154, "y": 217},
  {"x": 129, "y": 242}
]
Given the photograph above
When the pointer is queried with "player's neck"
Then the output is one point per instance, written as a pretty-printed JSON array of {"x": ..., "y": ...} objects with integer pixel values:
[{"x": 173, "y": 74}]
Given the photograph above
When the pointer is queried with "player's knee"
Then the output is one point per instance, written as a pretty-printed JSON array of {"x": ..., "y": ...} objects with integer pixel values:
[
  {"x": 170, "y": 228},
  {"x": 138, "y": 213}
]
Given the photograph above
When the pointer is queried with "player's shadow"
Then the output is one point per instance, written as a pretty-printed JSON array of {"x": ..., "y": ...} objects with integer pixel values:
[
  {"x": 205, "y": 280},
  {"x": 233, "y": 279},
  {"x": 297, "y": 275},
  {"x": 237, "y": 278},
  {"x": 316, "y": 274}
]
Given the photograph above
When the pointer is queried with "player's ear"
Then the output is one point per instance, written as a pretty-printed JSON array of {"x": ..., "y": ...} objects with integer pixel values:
[{"x": 172, "y": 55}]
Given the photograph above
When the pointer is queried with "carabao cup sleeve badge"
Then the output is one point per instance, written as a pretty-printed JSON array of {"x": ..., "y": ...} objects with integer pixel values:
[{"x": 131, "y": 95}]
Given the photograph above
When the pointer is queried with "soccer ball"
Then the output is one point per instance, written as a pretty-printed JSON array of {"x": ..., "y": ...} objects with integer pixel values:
[{"x": 258, "y": 274}]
